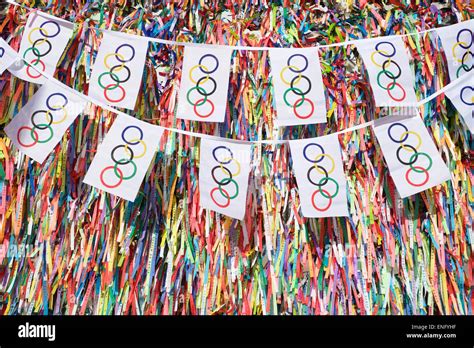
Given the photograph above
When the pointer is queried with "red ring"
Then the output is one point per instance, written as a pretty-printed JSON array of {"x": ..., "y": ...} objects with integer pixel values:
[
  {"x": 34, "y": 61},
  {"x": 296, "y": 112},
  {"x": 111, "y": 100},
  {"x": 31, "y": 130},
  {"x": 419, "y": 168},
  {"x": 203, "y": 116},
  {"x": 220, "y": 205},
  {"x": 102, "y": 177},
  {"x": 399, "y": 85},
  {"x": 314, "y": 205}
]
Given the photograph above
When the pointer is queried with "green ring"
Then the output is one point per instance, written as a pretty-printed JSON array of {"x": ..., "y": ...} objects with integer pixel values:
[
  {"x": 417, "y": 154},
  {"x": 47, "y": 127},
  {"x": 107, "y": 73},
  {"x": 36, "y": 55},
  {"x": 388, "y": 73},
  {"x": 197, "y": 87},
  {"x": 126, "y": 177},
  {"x": 321, "y": 185},
  {"x": 293, "y": 89},
  {"x": 464, "y": 66},
  {"x": 236, "y": 189}
]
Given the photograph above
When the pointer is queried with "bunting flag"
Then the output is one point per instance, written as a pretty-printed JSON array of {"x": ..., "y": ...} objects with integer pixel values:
[
  {"x": 298, "y": 86},
  {"x": 458, "y": 45},
  {"x": 223, "y": 177},
  {"x": 118, "y": 70},
  {"x": 320, "y": 176},
  {"x": 204, "y": 84},
  {"x": 462, "y": 97},
  {"x": 41, "y": 123},
  {"x": 124, "y": 156},
  {"x": 412, "y": 158},
  {"x": 42, "y": 45},
  {"x": 7, "y": 55},
  {"x": 390, "y": 75}
]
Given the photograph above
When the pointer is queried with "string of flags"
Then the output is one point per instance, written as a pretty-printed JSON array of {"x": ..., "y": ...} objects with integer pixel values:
[{"x": 127, "y": 151}]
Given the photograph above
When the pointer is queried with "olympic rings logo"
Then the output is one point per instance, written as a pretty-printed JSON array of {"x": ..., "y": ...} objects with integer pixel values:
[
  {"x": 205, "y": 86},
  {"x": 123, "y": 156},
  {"x": 47, "y": 119},
  {"x": 223, "y": 176},
  {"x": 465, "y": 99},
  {"x": 413, "y": 154},
  {"x": 299, "y": 86},
  {"x": 391, "y": 70},
  {"x": 322, "y": 172},
  {"x": 465, "y": 40},
  {"x": 40, "y": 47},
  {"x": 117, "y": 74}
]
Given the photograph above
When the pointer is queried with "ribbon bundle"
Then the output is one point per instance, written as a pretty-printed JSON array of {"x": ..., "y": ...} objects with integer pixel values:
[{"x": 159, "y": 254}]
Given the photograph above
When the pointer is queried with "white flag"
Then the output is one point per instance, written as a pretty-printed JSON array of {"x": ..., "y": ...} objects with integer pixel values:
[
  {"x": 298, "y": 84},
  {"x": 204, "y": 84},
  {"x": 41, "y": 123},
  {"x": 7, "y": 55},
  {"x": 411, "y": 155},
  {"x": 462, "y": 96},
  {"x": 118, "y": 69},
  {"x": 390, "y": 75},
  {"x": 320, "y": 176},
  {"x": 458, "y": 44},
  {"x": 124, "y": 156},
  {"x": 42, "y": 45},
  {"x": 223, "y": 177}
]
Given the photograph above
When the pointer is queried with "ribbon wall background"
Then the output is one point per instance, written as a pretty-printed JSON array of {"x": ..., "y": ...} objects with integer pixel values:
[{"x": 159, "y": 255}]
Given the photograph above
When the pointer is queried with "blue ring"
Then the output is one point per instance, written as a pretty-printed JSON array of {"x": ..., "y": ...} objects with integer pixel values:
[
  {"x": 211, "y": 71},
  {"x": 390, "y": 130},
  {"x": 2, "y": 52},
  {"x": 383, "y": 54},
  {"x": 124, "y": 60},
  {"x": 57, "y": 26},
  {"x": 459, "y": 40},
  {"x": 462, "y": 99},
  {"x": 306, "y": 157},
  {"x": 132, "y": 143},
  {"x": 299, "y": 55},
  {"x": 226, "y": 148},
  {"x": 56, "y": 109}
]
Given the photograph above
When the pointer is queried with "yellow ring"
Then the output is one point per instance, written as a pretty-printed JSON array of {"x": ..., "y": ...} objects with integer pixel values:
[
  {"x": 194, "y": 68},
  {"x": 377, "y": 64},
  {"x": 64, "y": 114},
  {"x": 406, "y": 147},
  {"x": 236, "y": 163},
  {"x": 41, "y": 31},
  {"x": 332, "y": 161},
  {"x": 141, "y": 142},
  {"x": 115, "y": 55},
  {"x": 285, "y": 81},
  {"x": 454, "y": 53}
]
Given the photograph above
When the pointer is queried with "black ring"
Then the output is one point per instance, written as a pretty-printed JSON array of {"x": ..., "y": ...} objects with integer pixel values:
[
  {"x": 463, "y": 58},
  {"x": 41, "y": 127},
  {"x": 414, "y": 151},
  {"x": 117, "y": 79},
  {"x": 295, "y": 90},
  {"x": 389, "y": 131},
  {"x": 383, "y": 54},
  {"x": 385, "y": 70},
  {"x": 34, "y": 49},
  {"x": 199, "y": 87},
  {"x": 124, "y": 60},
  {"x": 228, "y": 180},
  {"x": 459, "y": 40},
  {"x": 308, "y": 175},
  {"x": 54, "y": 106},
  {"x": 226, "y": 148},
  {"x": 201, "y": 65},
  {"x": 112, "y": 154},
  {"x": 299, "y": 55}
]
